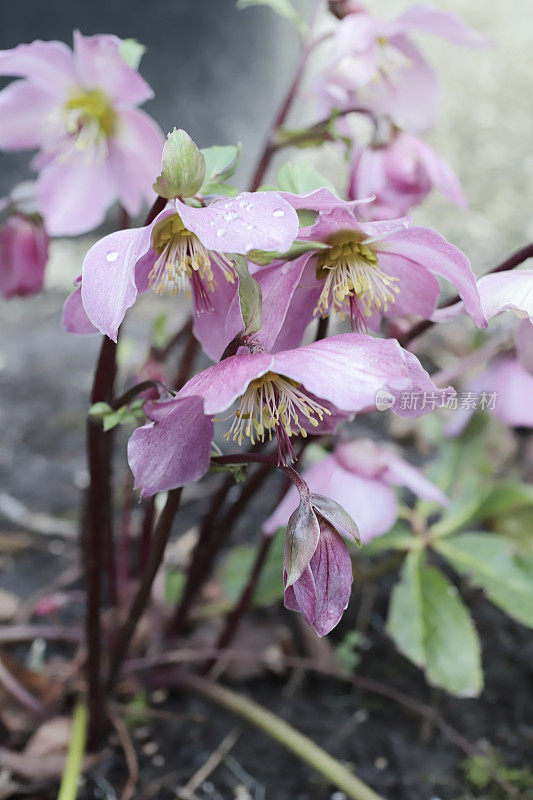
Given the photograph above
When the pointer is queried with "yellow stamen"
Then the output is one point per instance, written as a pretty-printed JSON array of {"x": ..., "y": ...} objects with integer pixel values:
[
  {"x": 273, "y": 403},
  {"x": 351, "y": 273},
  {"x": 90, "y": 121},
  {"x": 183, "y": 263}
]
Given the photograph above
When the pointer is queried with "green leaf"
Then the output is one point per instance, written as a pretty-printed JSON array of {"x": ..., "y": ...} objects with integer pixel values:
[
  {"x": 298, "y": 248},
  {"x": 236, "y": 570},
  {"x": 432, "y": 627},
  {"x": 174, "y": 585},
  {"x": 126, "y": 415},
  {"x": 250, "y": 298},
  {"x": 284, "y": 8},
  {"x": 183, "y": 167},
  {"x": 224, "y": 189},
  {"x": 76, "y": 749},
  {"x": 131, "y": 51},
  {"x": 306, "y": 217},
  {"x": 491, "y": 563},
  {"x": 347, "y": 651},
  {"x": 399, "y": 538},
  {"x": 300, "y": 178},
  {"x": 221, "y": 161}
]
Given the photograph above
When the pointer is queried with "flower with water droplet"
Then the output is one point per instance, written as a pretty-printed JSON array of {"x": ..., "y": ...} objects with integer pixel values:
[
  {"x": 185, "y": 250},
  {"x": 80, "y": 109}
]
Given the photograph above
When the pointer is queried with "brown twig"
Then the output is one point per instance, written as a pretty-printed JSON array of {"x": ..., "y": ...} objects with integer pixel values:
[
  {"x": 129, "y": 752},
  {"x": 20, "y": 693}
]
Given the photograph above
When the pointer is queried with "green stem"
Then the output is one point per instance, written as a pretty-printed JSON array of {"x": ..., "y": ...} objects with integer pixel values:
[
  {"x": 285, "y": 734},
  {"x": 73, "y": 765}
]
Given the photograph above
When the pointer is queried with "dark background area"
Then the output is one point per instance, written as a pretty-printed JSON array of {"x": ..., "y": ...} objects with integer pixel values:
[{"x": 216, "y": 71}]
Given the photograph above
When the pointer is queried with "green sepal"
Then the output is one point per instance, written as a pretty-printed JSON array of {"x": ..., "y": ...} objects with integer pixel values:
[
  {"x": 250, "y": 296},
  {"x": 183, "y": 167},
  {"x": 131, "y": 51},
  {"x": 299, "y": 178},
  {"x": 297, "y": 249},
  {"x": 131, "y": 414}
]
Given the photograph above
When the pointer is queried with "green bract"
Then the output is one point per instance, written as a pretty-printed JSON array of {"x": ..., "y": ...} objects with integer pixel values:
[{"x": 183, "y": 167}]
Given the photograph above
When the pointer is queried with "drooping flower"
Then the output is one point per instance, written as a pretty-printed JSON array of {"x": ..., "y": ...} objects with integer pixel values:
[
  {"x": 360, "y": 475},
  {"x": 317, "y": 568},
  {"x": 400, "y": 174},
  {"x": 285, "y": 394},
  {"x": 369, "y": 270},
  {"x": 505, "y": 386},
  {"x": 23, "y": 244},
  {"x": 375, "y": 65},
  {"x": 79, "y": 109},
  {"x": 185, "y": 249}
]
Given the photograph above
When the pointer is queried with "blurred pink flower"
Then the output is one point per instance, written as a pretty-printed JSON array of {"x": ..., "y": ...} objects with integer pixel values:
[
  {"x": 79, "y": 108},
  {"x": 400, "y": 174},
  {"x": 23, "y": 255},
  {"x": 375, "y": 65},
  {"x": 360, "y": 476}
]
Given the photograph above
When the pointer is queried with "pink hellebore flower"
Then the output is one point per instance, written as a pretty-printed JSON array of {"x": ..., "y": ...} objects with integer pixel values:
[
  {"x": 375, "y": 65},
  {"x": 400, "y": 174},
  {"x": 79, "y": 108},
  {"x": 317, "y": 568},
  {"x": 369, "y": 270},
  {"x": 360, "y": 476},
  {"x": 183, "y": 250},
  {"x": 506, "y": 385},
  {"x": 310, "y": 388},
  {"x": 23, "y": 255}
]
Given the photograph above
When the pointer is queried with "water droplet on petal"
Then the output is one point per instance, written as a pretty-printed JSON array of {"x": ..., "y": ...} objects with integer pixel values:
[
  {"x": 111, "y": 256},
  {"x": 248, "y": 246},
  {"x": 221, "y": 232},
  {"x": 278, "y": 213},
  {"x": 249, "y": 227}
]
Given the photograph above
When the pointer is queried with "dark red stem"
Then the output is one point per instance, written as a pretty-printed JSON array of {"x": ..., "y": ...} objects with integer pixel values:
[{"x": 155, "y": 559}]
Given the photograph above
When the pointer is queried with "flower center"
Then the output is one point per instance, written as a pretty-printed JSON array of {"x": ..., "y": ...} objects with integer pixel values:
[
  {"x": 184, "y": 265},
  {"x": 353, "y": 282},
  {"x": 390, "y": 61},
  {"x": 274, "y": 404},
  {"x": 90, "y": 120}
]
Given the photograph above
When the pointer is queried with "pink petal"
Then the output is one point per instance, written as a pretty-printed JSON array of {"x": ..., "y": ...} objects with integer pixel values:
[
  {"x": 426, "y": 247},
  {"x": 108, "y": 277},
  {"x": 301, "y": 596},
  {"x": 23, "y": 110},
  {"x": 278, "y": 284},
  {"x": 524, "y": 344},
  {"x": 347, "y": 369},
  {"x": 400, "y": 473},
  {"x": 174, "y": 451},
  {"x": 419, "y": 290},
  {"x": 441, "y": 174},
  {"x": 427, "y": 18},
  {"x": 75, "y": 194},
  {"x": 23, "y": 257},
  {"x": 100, "y": 65},
  {"x": 135, "y": 158},
  {"x": 221, "y": 384},
  {"x": 331, "y": 566},
  {"x": 74, "y": 318},
  {"x": 48, "y": 65},
  {"x": 216, "y": 327},
  {"x": 507, "y": 291},
  {"x": 250, "y": 221}
]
